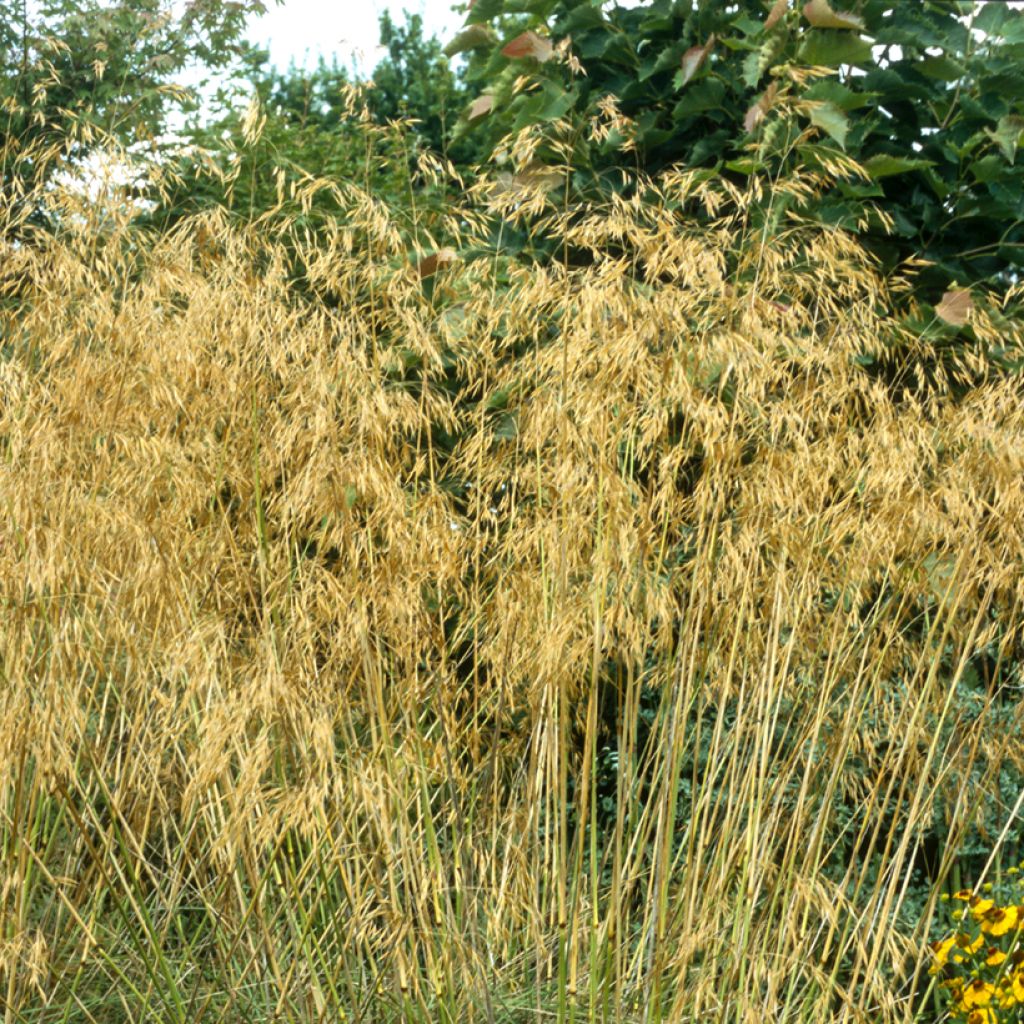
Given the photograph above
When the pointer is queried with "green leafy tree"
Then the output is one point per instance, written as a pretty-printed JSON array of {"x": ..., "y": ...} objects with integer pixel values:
[
  {"x": 261, "y": 134},
  {"x": 296, "y": 152},
  {"x": 277, "y": 144},
  {"x": 414, "y": 80},
  {"x": 74, "y": 71},
  {"x": 913, "y": 112}
]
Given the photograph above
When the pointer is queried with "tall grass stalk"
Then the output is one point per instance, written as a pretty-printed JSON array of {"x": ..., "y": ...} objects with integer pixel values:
[{"x": 578, "y": 642}]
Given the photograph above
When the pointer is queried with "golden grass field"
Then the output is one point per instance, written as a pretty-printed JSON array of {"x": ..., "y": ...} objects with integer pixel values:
[{"x": 498, "y": 651}]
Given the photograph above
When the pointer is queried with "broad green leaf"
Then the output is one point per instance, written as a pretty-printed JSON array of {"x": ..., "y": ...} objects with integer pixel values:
[
  {"x": 707, "y": 94},
  {"x": 902, "y": 224},
  {"x": 839, "y": 95},
  {"x": 616, "y": 48},
  {"x": 830, "y": 118},
  {"x": 988, "y": 168},
  {"x": 711, "y": 146},
  {"x": 557, "y": 103},
  {"x": 745, "y": 166},
  {"x": 935, "y": 182},
  {"x": 1013, "y": 31},
  {"x": 751, "y": 70},
  {"x": 499, "y": 399},
  {"x": 549, "y": 104},
  {"x": 884, "y": 166},
  {"x": 942, "y": 68},
  {"x": 838, "y": 213},
  {"x": 652, "y": 63},
  {"x": 957, "y": 152},
  {"x": 991, "y": 18},
  {"x": 748, "y": 26},
  {"x": 580, "y": 19},
  {"x": 473, "y": 37},
  {"x": 484, "y": 10},
  {"x": 771, "y": 52},
  {"x": 859, "y": 190},
  {"x": 827, "y": 48},
  {"x": 1007, "y": 135},
  {"x": 821, "y": 15}
]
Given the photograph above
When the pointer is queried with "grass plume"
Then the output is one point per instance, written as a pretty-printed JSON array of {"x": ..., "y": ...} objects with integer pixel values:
[{"x": 578, "y": 642}]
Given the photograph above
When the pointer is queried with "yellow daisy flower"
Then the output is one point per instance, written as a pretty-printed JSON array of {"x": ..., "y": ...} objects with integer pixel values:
[
  {"x": 940, "y": 950},
  {"x": 1005, "y": 997},
  {"x": 978, "y": 993},
  {"x": 997, "y": 921},
  {"x": 1018, "y": 986},
  {"x": 994, "y": 956},
  {"x": 963, "y": 940},
  {"x": 982, "y": 1016},
  {"x": 980, "y": 907}
]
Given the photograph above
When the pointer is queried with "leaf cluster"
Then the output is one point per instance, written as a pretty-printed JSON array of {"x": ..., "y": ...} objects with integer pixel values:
[{"x": 921, "y": 104}]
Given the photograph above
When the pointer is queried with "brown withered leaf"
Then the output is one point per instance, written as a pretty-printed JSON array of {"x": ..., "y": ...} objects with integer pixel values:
[
  {"x": 755, "y": 115},
  {"x": 776, "y": 14},
  {"x": 694, "y": 58},
  {"x": 430, "y": 265},
  {"x": 481, "y": 106},
  {"x": 529, "y": 44},
  {"x": 955, "y": 307}
]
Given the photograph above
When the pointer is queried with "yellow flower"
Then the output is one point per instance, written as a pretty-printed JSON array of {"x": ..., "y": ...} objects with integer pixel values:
[
  {"x": 978, "y": 993},
  {"x": 963, "y": 940},
  {"x": 982, "y": 1016},
  {"x": 940, "y": 950},
  {"x": 964, "y": 894},
  {"x": 1018, "y": 986},
  {"x": 980, "y": 907},
  {"x": 997, "y": 921},
  {"x": 994, "y": 956}
]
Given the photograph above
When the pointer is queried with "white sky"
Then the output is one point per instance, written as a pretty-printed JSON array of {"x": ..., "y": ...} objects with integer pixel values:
[{"x": 302, "y": 30}]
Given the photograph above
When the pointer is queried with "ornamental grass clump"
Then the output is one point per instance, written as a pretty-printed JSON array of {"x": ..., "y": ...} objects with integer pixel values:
[
  {"x": 980, "y": 964},
  {"x": 392, "y": 629}
]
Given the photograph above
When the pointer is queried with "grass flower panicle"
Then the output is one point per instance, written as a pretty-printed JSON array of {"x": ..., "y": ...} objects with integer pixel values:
[{"x": 390, "y": 637}]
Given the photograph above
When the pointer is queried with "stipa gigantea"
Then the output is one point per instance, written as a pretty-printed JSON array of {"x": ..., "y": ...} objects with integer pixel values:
[{"x": 327, "y": 603}]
